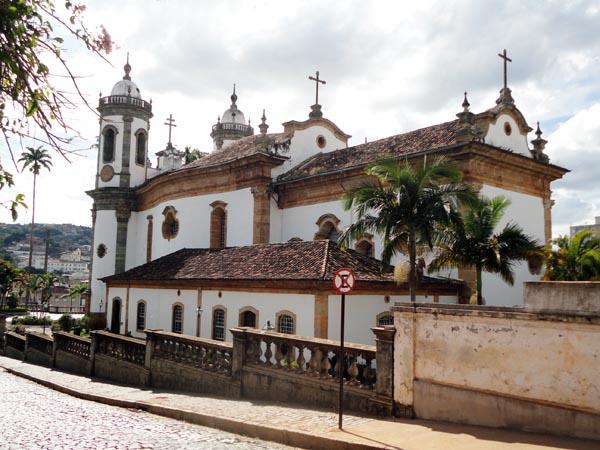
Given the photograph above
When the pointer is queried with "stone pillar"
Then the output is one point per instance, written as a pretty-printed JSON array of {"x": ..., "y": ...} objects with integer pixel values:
[
  {"x": 54, "y": 348},
  {"x": 93, "y": 348},
  {"x": 321, "y": 316},
  {"x": 404, "y": 360},
  {"x": 384, "y": 343},
  {"x": 150, "y": 342},
  {"x": 124, "y": 178},
  {"x": 123, "y": 214},
  {"x": 548, "y": 204},
  {"x": 262, "y": 215},
  {"x": 239, "y": 352},
  {"x": 26, "y": 347}
]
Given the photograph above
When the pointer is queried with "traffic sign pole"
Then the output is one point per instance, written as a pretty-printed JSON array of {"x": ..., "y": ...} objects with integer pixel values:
[
  {"x": 343, "y": 283},
  {"x": 341, "y": 361}
]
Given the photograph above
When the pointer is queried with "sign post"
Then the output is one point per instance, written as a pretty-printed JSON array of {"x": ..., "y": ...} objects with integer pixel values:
[{"x": 343, "y": 282}]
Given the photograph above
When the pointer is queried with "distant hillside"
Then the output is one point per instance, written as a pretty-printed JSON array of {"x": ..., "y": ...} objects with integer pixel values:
[{"x": 62, "y": 237}]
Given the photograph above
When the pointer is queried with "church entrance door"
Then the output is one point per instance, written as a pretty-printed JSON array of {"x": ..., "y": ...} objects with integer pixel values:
[{"x": 115, "y": 321}]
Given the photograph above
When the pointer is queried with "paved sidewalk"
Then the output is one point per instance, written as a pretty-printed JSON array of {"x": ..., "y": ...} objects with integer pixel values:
[{"x": 292, "y": 425}]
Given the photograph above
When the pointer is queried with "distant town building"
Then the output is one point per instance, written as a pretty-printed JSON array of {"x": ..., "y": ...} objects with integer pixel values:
[{"x": 592, "y": 226}]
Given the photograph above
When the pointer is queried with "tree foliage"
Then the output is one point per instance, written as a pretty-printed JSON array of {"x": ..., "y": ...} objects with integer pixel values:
[
  {"x": 407, "y": 205},
  {"x": 472, "y": 242},
  {"x": 31, "y": 36},
  {"x": 574, "y": 258}
]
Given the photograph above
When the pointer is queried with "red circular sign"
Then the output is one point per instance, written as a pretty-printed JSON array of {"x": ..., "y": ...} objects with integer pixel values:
[{"x": 343, "y": 281}]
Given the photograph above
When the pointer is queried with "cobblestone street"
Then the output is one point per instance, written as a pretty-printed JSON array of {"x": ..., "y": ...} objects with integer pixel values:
[{"x": 35, "y": 417}]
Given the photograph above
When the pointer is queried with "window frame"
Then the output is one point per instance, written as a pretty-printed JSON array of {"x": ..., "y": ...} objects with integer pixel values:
[
  {"x": 245, "y": 310},
  {"x": 144, "y": 315},
  {"x": 285, "y": 313},
  {"x": 173, "y": 319},
  {"x": 381, "y": 315},
  {"x": 213, "y": 333},
  {"x": 144, "y": 134},
  {"x": 114, "y": 131}
]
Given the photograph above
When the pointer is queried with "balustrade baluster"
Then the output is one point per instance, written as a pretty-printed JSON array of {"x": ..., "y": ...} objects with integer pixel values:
[
  {"x": 268, "y": 353},
  {"x": 325, "y": 365},
  {"x": 300, "y": 360},
  {"x": 353, "y": 371},
  {"x": 290, "y": 356},
  {"x": 314, "y": 363},
  {"x": 278, "y": 355}
]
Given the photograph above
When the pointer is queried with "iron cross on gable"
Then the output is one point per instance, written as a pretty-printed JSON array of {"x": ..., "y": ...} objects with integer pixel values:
[
  {"x": 170, "y": 122},
  {"x": 317, "y": 81},
  {"x": 506, "y": 60}
]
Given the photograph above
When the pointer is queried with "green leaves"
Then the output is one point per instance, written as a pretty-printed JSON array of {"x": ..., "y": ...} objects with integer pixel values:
[{"x": 575, "y": 258}]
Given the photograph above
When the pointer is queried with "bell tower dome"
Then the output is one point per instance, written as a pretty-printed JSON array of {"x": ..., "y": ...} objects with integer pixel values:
[
  {"x": 231, "y": 126},
  {"x": 123, "y": 144}
]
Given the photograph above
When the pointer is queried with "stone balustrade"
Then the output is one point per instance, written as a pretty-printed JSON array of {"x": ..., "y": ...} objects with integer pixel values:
[
  {"x": 258, "y": 364},
  {"x": 311, "y": 357},
  {"x": 205, "y": 354},
  {"x": 75, "y": 345},
  {"x": 120, "y": 347}
]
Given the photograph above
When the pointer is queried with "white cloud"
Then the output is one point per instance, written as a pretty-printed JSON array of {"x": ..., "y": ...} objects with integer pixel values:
[{"x": 390, "y": 67}]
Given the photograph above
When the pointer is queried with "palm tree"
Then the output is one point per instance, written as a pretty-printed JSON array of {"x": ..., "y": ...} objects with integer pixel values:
[
  {"x": 406, "y": 205},
  {"x": 574, "y": 259},
  {"x": 472, "y": 243},
  {"x": 35, "y": 159},
  {"x": 76, "y": 291}
]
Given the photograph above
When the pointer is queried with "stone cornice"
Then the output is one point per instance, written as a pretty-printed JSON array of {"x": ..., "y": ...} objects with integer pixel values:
[
  {"x": 113, "y": 198},
  {"x": 254, "y": 170}
]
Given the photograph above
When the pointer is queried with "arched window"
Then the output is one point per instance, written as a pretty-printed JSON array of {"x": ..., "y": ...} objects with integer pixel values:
[
  {"x": 108, "y": 147},
  {"x": 140, "y": 321},
  {"x": 218, "y": 225},
  {"x": 218, "y": 326},
  {"x": 385, "y": 318},
  {"x": 170, "y": 226},
  {"x": 140, "y": 147},
  {"x": 328, "y": 228},
  {"x": 365, "y": 246},
  {"x": 286, "y": 322},
  {"x": 248, "y": 317},
  {"x": 177, "y": 320}
]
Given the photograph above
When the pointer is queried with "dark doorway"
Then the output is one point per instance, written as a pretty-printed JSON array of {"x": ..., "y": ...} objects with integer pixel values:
[{"x": 115, "y": 321}]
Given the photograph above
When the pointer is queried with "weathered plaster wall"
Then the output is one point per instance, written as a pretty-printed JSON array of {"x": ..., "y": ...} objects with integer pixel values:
[
  {"x": 537, "y": 362},
  {"x": 579, "y": 297}
]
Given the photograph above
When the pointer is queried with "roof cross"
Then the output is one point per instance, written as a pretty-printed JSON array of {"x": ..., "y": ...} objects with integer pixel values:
[
  {"x": 170, "y": 122},
  {"x": 506, "y": 59},
  {"x": 317, "y": 81}
]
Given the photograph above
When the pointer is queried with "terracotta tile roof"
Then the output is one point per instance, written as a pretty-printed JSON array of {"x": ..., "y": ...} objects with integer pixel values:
[
  {"x": 268, "y": 144},
  {"x": 302, "y": 260},
  {"x": 423, "y": 139}
]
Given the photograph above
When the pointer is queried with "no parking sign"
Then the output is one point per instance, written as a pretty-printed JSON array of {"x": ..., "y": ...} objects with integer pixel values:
[{"x": 343, "y": 281}]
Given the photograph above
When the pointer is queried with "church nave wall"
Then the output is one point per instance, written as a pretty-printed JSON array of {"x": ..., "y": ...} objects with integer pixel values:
[
  {"x": 105, "y": 238},
  {"x": 193, "y": 214}
]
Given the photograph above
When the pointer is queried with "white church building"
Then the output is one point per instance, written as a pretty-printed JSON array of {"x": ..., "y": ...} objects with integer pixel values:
[{"x": 243, "y": 236}]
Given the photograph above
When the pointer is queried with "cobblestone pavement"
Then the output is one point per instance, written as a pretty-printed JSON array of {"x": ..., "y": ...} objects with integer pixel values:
[{"x": 35, "y": 417}]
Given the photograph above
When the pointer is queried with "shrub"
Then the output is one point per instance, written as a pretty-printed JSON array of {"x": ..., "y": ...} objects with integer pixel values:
[
  {"x": 31, "y": 320},
  {"x": 66, "y": 322}
]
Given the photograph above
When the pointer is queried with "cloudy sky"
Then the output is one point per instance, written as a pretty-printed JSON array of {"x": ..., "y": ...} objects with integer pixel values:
[{"x": 390, "y": 67}]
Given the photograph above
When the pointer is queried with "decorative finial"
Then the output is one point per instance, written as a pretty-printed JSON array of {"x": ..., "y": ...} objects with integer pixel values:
[
  {"x": 539, "y": 144},
  {"x": 263, "y": 127},
  {"x": 218, "y": 119},
  {"x": 466, "y": 104},
  {"x": 233, "y": 97},
  {"x": 100, "y": 94},
  {"x": 127, "y": 69},
  {"x": 365, "y": 139},
  {"x": 248, "y": 121}
]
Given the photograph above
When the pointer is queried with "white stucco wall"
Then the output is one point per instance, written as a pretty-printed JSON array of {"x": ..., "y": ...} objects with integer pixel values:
[
  {"x": 105, "y": 232},
  {"x": 267, "y": 304},
  {"x": 528, "y": 212},
  {"x": 304, "y": 145},
  {"x": 516, "y": 141},
  {"x": 194, "y": 225}
]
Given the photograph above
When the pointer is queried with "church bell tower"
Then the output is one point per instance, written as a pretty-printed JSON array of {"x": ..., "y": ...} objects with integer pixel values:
[{"x": 122, "y": 165}]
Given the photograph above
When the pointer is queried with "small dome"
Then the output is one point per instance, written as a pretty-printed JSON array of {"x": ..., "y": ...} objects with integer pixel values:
[
  {"x": 233, "y": 115},
  {"x": 126, "y": 87}
]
